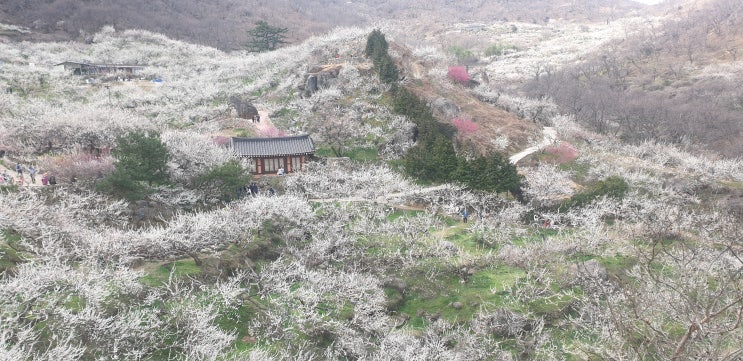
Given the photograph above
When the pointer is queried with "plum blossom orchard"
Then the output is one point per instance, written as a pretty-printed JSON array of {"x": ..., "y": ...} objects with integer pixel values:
[{"x": 620, "y": 252}]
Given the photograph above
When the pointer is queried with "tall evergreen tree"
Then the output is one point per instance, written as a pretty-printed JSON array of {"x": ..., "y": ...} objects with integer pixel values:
[
  {"x": 432, "y": 160},
  {"x": 376, "y": 49},
  {"x": 143, "y": 156},
  {"x": 265, "y": 37},
  {"x": 387, "y": 70},
  {"x": 376, "y": 45}
]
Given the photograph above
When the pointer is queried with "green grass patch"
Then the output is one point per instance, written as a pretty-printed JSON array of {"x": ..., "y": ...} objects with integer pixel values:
[
  {"x": 9, "y": 258},
  {"x": 581, "y": 257},
  {"x": 8, "y": 188},
  {"x": 731, "y": 184},
  {"x": 578, "y": 169},
  {"x": 617, "y": 264},
  {"x": 159, "y": 274},
  {"x": 553, "y": 307},
  {"x": 500, "y": 49},
  {"x": 403, "y": 213},
  {"x": 361, "y": 154},
  {"x": 487, "y": 287},
  {"x": 613, "y": 187},
  {"x": 329, "y": 310},
  {"x": 535, "y": 236},
  {"x": 244, "y": 133},
  {"x": 468, "y": 242},
  {"x": 75, "y": 303},
  {"x": 236, "y": 320}
]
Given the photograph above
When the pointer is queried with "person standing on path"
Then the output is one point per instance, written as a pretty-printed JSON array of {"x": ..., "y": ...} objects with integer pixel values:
[
  {"x": 32, "y": 173},
  {"x": 464, "y": 215},
  {"x": 19, "y": 169}
]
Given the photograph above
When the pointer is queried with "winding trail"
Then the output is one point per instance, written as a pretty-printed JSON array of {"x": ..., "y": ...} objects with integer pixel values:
[
  {"x": 550, "y": 137},
  {"x": 265, "y": 127}
]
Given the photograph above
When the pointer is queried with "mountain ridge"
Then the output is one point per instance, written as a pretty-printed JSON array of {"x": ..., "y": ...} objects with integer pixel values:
[{"x": 224, "y": 24}]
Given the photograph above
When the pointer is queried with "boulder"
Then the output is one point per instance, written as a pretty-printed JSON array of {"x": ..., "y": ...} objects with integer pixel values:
[
  {"x": 244, "y": 108},
  {"x": 445, "y": 107},
  {"x": 320, "y": 76},
  {"x": 395, "y": 283}
]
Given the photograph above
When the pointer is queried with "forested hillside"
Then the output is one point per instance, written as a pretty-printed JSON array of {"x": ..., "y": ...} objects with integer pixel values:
[
  {"x": 675, "y": 79},
  {"x": 224, "y": 24},
  {"x": 455, "y": 209}
]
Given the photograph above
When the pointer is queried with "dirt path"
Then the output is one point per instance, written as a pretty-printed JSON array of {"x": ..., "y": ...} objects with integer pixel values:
[
  {"x": 26, "y": 176},
  {"x": 550, "y": 137},
  {"x": 265, "y": 127}
]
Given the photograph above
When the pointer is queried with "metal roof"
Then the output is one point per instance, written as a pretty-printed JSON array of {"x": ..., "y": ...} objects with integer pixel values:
[{"x": 273, "y": 147}]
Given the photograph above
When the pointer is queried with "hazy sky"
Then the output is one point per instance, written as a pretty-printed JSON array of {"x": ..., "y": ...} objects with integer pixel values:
[{"x": 649, "y": 1}]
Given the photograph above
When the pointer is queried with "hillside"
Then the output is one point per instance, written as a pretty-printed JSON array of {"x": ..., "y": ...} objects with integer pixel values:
[
  {"x": 675, "y": 79},
  {"x": 611, "y": 250},
  {"x": 224, "y": 24}
]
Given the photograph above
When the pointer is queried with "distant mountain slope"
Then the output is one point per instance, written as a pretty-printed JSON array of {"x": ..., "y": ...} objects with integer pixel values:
[
  {"x": 675, "y": 80},
  {"x": 224, "y": 23}
]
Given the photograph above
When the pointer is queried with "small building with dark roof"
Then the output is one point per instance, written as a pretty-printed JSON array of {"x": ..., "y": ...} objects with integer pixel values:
[
  {"x": 268, "y": 155},
  {"x": 98, "y": 69}
]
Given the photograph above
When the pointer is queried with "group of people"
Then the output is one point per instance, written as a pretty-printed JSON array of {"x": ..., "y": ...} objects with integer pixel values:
[
  {"x": 46, "y": 178},
  {"x": 253, "y": 190}
]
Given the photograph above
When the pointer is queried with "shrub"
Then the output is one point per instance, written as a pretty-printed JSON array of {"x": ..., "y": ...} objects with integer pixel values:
[
  {"x": 499, "y": 49},
  {"x": 464, "y": 56},
  {"x": 459, "y": 74},
  {"x": 82, "y": 166},
  {"x": 223, "y": 181},
  {"x": 492, "y": 173},
  {"x": 221, "y": 141},
  {"x": 464, "y": 126},
  {"x": 563, "y": 152}
]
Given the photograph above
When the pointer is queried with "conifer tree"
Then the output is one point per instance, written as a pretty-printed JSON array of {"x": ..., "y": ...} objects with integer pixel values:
[
  {"x": 376, "y": 49},
  {"x": 141, "y": 162},
  {"x": 265, "y": 37},
  {"x": 376, "y": 45}
]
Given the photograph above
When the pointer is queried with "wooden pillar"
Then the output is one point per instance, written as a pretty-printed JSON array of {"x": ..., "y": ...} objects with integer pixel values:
[
  {"x": 288, "y": 162},
  {"x": 259, "y": 165}
]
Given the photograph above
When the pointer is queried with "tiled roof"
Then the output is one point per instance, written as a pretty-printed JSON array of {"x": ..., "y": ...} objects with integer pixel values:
[
  {"x": 270, "y": 147},
  {"x": 92, "y": 65}
]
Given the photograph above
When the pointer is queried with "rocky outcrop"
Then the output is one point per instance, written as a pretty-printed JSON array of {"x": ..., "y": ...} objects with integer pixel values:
[
  {"x": 244, "y": 108},
  {"x": 446, "y": 108},
  {"x": 318, "y": 77}
]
